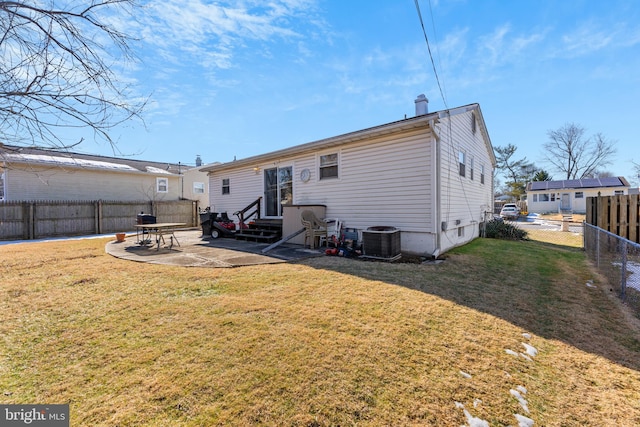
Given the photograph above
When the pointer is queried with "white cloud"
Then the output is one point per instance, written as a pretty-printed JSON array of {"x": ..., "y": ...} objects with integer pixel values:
[
  {"x": 585, "y": 40},
  {"x": 211, "y": 33}
]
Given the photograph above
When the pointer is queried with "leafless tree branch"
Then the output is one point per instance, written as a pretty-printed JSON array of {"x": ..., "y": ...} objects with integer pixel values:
[
  {"x": 576, "y": 156},
  {"x": 55, "y": 71}
]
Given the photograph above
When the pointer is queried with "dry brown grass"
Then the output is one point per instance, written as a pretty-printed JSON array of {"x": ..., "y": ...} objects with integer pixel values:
[
  {"x": 328, "y": 341},
  {"x": 562, "y": 238}
]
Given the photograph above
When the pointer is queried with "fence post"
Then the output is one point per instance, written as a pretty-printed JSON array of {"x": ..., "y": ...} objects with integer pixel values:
[
  {"x": 597, "y": 230},
  {"x": 32, "y": 221},
  {"x": 623, "y": 272},
  {"x": 96, "y": 218}
]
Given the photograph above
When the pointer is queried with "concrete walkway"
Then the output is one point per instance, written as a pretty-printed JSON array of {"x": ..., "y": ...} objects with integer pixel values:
[{"x": 196, "y": 251}]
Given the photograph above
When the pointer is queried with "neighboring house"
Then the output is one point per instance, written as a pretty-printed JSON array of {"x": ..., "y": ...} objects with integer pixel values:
[
  {"x": 430, "y": 176},
  {"x": 571, "y": 195},
  {"x": 196, "y": 183},
  {"x": 28, "y": 174}
]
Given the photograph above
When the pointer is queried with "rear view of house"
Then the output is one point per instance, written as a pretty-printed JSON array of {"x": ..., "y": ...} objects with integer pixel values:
[{"x": 430, "y": 176}]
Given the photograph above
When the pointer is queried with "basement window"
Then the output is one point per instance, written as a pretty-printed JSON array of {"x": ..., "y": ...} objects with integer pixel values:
[
  {"x": 328, "y": 166},
  {"x": 226, "y": 186}
]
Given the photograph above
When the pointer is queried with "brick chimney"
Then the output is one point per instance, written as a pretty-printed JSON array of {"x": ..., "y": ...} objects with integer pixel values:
[{"x": 422, "y": 105}]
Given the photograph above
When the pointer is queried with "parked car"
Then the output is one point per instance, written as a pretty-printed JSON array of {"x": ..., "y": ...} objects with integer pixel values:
[{"x": 510, "y": 211}]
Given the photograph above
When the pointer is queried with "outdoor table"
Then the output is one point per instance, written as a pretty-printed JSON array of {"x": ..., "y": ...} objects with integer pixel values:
[{"x": 158, "y": 231}]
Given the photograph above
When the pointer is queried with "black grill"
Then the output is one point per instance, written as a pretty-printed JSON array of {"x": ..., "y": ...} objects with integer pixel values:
[{"x": 146, "y": 219}]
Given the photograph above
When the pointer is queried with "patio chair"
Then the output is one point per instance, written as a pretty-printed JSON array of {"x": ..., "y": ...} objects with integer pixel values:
[
  {"x": 314, "y": 228},
  {"x": 334, "y": 231}
]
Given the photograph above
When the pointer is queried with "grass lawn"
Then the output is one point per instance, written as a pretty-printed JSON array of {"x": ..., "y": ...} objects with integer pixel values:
[{"x": 328, "y": 341}]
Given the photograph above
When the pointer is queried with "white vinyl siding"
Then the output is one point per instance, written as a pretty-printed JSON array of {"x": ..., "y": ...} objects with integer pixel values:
[
  {"x": 384, "y": 181},
  {"x": 32, "y": 182},
  {"x": 463, "y": 202}
]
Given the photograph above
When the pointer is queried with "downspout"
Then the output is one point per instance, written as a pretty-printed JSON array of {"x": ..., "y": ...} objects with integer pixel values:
[{"x": 436, "y": 184}]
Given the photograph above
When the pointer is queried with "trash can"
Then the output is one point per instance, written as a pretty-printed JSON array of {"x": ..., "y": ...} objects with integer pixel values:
[{"x": 206, "y": 221}]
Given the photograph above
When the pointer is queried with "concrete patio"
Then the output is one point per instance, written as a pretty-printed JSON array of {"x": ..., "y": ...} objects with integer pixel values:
[{"x": 195, "y": 251}]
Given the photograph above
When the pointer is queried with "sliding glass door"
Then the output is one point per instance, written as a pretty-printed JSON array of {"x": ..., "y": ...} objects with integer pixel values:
[{"x": 278, "y": 189}]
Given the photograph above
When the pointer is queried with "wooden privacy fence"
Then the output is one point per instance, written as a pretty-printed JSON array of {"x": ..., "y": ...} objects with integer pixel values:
[
  {"x": 616, "y": 214},
  {"x": 38, "y": 219}
]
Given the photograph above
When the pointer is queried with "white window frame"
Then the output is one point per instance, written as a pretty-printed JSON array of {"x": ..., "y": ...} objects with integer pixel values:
[
  {"x": 226, "y": 186},
  {"x": 544, "y": 196},
  {"x": 327, "y": 165},
  {"x": 198, "y": 188},
  {"x": 579, "y": 195},
  {"x": 481, "y": 174},
  {"x": 462, "y": 163},
  {"x": 162, "y": 185}
]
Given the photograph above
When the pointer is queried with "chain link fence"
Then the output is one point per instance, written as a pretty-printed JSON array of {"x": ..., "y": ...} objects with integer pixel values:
[{"x": 618, "y": 259}]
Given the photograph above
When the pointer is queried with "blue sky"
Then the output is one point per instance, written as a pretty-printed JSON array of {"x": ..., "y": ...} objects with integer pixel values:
[{"x": 240, "y": 78}]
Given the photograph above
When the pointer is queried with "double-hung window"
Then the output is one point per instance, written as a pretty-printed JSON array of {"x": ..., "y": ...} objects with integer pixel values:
[
  {"x": 328, "y": 166},
  {"x": 226, "y": 187},
  {"x": 462, "y": 160},
  {"x": 162, "y": 185},
  {"x": 198, "y": 188}
]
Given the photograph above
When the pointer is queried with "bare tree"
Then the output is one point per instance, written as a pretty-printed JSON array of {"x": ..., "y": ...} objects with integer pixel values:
[
  {"x": 576, "y": 156},
  {"x": 57, "y": 71}
]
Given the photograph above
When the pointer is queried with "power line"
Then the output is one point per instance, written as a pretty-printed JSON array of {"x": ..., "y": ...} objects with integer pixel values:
[{"x": 430, "y": 54}]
